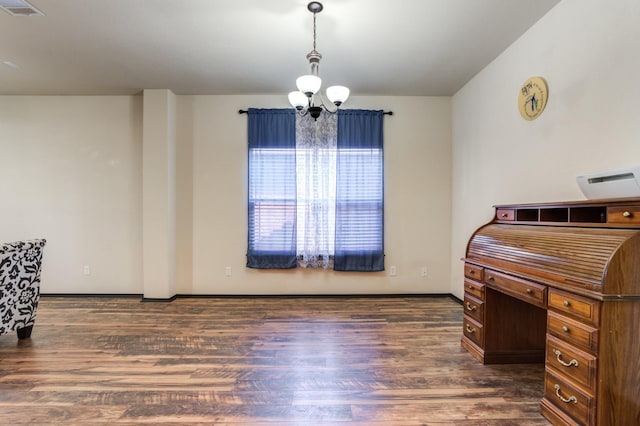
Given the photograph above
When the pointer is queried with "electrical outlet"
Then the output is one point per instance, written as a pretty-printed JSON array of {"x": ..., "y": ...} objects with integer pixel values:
[
  {"x": 227, "y": 271},
  {"x": 86, "y": 270},
  {"x": 423, "y": 271},
  {"x": 392, "y": 270}
]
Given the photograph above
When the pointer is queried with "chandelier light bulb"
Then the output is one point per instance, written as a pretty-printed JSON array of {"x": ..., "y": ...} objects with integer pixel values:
[
  {"x": 337, "y": 94},
  {"x": 309, "y": 84},
  {"x": 298, "y": 100}
]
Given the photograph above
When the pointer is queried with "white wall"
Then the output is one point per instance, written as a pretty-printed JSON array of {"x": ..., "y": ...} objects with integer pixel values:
[
  {"x": 70, "y": 173},
  {"x": 588, "y": 52},
  {"x": 70, "y": 167},
  {"x": 417, "y": 208}
]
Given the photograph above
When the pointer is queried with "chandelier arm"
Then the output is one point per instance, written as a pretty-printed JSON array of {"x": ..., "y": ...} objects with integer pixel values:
[{"x": 324, "y": 104}]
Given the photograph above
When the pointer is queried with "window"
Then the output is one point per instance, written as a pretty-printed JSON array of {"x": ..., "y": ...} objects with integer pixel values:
[{"x": 316, "y": 190}]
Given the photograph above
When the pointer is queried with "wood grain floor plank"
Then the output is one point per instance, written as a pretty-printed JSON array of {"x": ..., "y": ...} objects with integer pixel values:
[{"x": 393, "y": 361}]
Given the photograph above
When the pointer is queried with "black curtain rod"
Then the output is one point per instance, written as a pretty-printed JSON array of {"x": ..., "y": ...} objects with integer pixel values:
[{"x": 244, "y": 111}]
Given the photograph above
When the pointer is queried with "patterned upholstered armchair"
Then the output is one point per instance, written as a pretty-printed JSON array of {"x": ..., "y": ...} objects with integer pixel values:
[{"x": 20, "y": 264}]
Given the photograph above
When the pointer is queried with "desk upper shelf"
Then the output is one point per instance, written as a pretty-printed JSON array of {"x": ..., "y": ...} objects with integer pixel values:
[
  {"x": 591, "y": 247},
  {"x": 610, "y": 213}
]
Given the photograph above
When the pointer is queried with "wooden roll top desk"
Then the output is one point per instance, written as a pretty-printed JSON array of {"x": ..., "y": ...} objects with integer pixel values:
[{"x": 559, "y": 283}]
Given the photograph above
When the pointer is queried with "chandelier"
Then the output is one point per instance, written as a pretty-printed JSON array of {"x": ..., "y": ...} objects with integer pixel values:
[{"x": 304, "y": 99}]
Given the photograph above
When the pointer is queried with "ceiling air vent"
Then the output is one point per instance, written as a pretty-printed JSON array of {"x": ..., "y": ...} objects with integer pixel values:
[{"x": 19, "y": 8}]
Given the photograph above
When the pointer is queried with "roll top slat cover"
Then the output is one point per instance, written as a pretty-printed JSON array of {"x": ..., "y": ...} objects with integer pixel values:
[{"x": 578, "y": 256}]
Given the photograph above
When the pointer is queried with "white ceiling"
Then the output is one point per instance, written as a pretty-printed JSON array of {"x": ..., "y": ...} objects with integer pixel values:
[{"x": 375, "y": 47}]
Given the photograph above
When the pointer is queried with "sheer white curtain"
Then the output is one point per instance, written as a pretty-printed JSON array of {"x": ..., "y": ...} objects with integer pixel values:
[{"x": 316, "y": 153}]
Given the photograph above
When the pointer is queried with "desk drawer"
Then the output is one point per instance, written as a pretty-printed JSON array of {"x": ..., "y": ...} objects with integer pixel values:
[
  {"x": 473, "y": 330},
  {"x": 474, "y": 308},
  {"x": 576, "y": 306},
  {"x": 574, "y": 332},
  {"x": 524, "y": 290},
  {"x": 474, "y": 288},
  {"x": 569, "y": 398},
  {"x": 624, "y": 214},
  {"x": 571, "y": 362},
  {"x": 472, "y": 271},
  {"x": 505, "y": 214}
]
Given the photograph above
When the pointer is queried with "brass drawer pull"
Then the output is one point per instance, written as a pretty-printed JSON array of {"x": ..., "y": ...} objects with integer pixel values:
[
  {"x": 627, "y": 214},
  {"x": 571, "y": 399},
  {"x": 505, "y": 215},
  {"x": 472, "y": 272},
  {"x": 566, "y": 303},
  {"x": 470, "y": 330},
  {"x": 471, "y": 307},
  {"x": 565, "y": 328},
  {"x": 529, "y": 291},
  {"x": 572, "y": 363},
  {"x": 490, "y": 278}
]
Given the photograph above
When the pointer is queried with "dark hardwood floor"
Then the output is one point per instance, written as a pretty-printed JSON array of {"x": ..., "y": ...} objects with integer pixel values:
[{"x": 258, "y": 361}]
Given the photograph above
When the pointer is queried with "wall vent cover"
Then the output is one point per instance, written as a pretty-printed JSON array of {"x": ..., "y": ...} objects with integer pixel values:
[
  {"x": 619, "y": 183},
  {"x": 19, "y": 8}
]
